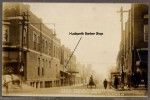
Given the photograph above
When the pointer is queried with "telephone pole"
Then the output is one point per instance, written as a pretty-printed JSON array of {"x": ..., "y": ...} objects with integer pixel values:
[
  {"x": 123, "y": 46},
  {"x": 24, "y": 23}
]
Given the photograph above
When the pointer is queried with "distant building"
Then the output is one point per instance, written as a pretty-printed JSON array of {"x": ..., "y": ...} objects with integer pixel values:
[{"x": 68, "y": 66}]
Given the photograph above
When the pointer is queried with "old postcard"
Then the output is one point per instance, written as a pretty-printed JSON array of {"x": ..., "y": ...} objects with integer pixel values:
[{"x": 75, "y": 49}]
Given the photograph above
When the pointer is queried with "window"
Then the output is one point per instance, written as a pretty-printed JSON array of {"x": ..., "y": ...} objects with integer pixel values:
[
  {"x": 43, "y": 71},
  {"x": 43, "y": 63},
  {"x": 46, "y": 64},
  {"x": 43, "y": 68},
  {"x": 145, "y": 27},
  {"x": 43, "y": 45},
  {"x": 50, "y": 64},
  {"x": 58, "y": 53},
  {"x": 5, "y": 33},
  {"x": 49, "y": 48},
  {"x": 25, "y": 35},
  {"x": 38, "y": 43},
  {"x": 38, "y": 71},
  {"x": 34, "y": 39},
  {"x": 46, "y": 46},
  {"x": 55, "y": 51},
  {"x": 38, "y": 66},
  {"x": 146, "y": 33}
]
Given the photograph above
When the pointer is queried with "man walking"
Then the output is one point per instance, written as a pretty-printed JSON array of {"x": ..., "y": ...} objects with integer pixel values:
[
  {"x": 105, "y": 83},
  {"x": 116, "y": 82}
]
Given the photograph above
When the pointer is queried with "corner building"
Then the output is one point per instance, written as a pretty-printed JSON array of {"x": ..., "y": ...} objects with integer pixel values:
[{"x": 30, "y": 48}]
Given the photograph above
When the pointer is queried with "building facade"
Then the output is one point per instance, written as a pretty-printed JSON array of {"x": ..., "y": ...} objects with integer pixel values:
[
  {"x": 133, "y": 56},
  {"x": 68, "y": 67},
  {"x": 30, "y": 48}
]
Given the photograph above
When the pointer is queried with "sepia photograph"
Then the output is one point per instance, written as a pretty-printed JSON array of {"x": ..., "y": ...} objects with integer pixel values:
[{"x": 75, "y": 49}]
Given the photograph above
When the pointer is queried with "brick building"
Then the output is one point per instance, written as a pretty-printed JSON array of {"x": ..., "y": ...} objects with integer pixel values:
[
  {"x": 30, "y": 48},
  {"x": 133, "y": 56}
]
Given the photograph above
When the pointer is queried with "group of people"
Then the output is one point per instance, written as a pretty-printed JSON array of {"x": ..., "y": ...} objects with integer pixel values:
[
  {"x": 116, "y": 82},
  {"x": 134, "y": 79}
]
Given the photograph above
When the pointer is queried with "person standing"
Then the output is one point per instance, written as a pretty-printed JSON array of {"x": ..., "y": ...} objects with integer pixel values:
[
  {"x": 116, "y": 82},
  {"x": 144, "y": 76},
  {"x": 129, "y": 80},
  {"x": 138, "y": 78},
  {"x": 105, "y": 83}
]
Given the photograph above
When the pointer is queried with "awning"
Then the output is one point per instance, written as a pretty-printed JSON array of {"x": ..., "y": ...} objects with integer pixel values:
[
  {"x": 62, "y": 77},
  {"x": 64, "y": 72},
  {"x": 143, "y": 58},
  {"x": 70, "y": 71}
]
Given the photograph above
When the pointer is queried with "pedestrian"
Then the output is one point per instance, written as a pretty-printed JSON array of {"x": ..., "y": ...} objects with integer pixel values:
[
  {"x": 144, "y": 76},
  {"x": 116, "y": 82},
  {"x": 129, "y": 80},
  {"x": 133, "y": 79},
  {"x": 138, "y": 78},
  {"x": 105, "y": 83}
]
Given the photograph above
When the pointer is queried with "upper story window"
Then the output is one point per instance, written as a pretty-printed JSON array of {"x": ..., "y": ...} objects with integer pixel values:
[
  {"x": 146, "y": 28},
  {"x": 25, "y": 35},
  {"x": 34, "y": 39},
  {"x": 146, "y": 33},
  {"x": 43, "y": 45},
  {"x": 49, "y": 48},
  {"x": 54, "y": 51},
  {"x": 38, "y": 43},
  {"x": 46, "y": 46},
  {"x": 49, "y": 63},
  {"x": 5, "y": 33},
  {"x": 46, "y": 63}
]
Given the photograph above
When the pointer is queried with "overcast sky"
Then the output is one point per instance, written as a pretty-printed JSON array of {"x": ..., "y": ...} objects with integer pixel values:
[{"x": 100, "y": 51}]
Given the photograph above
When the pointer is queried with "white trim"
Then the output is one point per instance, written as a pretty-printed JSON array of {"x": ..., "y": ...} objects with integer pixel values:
[
  {"x": 17, "y": 46},
  {"x": 6, "y": 23},
  {"x": 142, "y": 49},
  {"x": 40, "y": 31},
  {"x": 41, "y": 54},
  {"x": 14, "y": 46}
]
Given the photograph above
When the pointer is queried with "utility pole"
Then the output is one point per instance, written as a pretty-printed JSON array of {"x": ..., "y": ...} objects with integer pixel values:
[
  {"x": 123, "y": 46},
  {"x": 24, "y": 23}
]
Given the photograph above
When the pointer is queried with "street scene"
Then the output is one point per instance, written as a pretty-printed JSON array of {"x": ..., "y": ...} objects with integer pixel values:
[{"x": 75, "y": 49}]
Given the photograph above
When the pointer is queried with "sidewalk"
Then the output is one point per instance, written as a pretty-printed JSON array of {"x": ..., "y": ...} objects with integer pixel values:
[
  {"x": 129, "y": 89},
  {"x": 16, "y": 88}
]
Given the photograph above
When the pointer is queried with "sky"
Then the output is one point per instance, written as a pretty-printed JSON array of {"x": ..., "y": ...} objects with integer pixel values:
[{"x": 99, "y": 50}]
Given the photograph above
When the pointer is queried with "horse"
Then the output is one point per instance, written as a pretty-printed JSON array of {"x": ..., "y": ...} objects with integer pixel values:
[
  {"x": 16, "y": 79},
  {"x": 91, "y": 83},
  {"x": 12, "y": 79}
]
